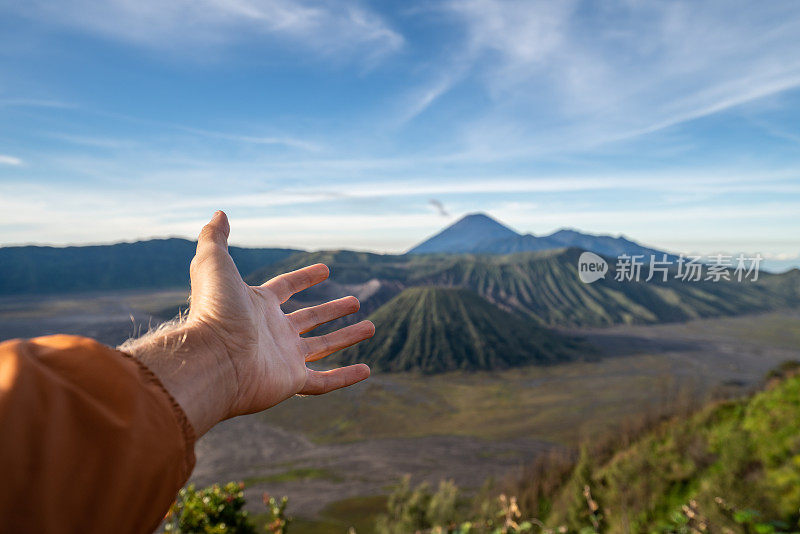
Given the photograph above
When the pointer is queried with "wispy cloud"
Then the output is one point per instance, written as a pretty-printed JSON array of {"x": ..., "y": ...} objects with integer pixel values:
[
  {"x": 631, "y": 69},
  {"x": 110, "y": 142},
  {"x": 423, "y": 97},
  {"x": 34, "y": 103},
  {"x": 184, "y": 25},
  {"x": 524, "y": 32},
  {"x": 543, "y": 113},
  {"x": 92, "y": 140},
  {"x": 66, "y": 215},
  {"x": 428, "y": 185},
  {"x": 10, "y": 160},
  {"x": 288, "y": 142}
]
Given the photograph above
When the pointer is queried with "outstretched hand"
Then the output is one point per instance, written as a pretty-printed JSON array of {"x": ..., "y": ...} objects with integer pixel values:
[{"x": 237, "y": 352}]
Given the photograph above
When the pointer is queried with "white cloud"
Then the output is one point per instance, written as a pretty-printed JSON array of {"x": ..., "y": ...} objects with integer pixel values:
[
  {"x": 526, "y": 32},
  {"x": 421, "y": 98},
  {"x": 559, "y": 78},
  {"x": 10, "y": 160},
  {"x": 342, "y": 214},
  {"x": 535, "y": 79},
  {"x": 193, "y": 26},
  {"x": 61, "y": 215}
]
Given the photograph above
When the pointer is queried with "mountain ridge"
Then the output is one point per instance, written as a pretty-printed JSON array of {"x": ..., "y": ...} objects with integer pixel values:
[
  {"x": 542, "y": 285},
  {"x": 455, "y": 329},
  {"x": 150, "y": 264},
  {"x": 478, "y": 233},
  {"x": 464, "y": 234}
]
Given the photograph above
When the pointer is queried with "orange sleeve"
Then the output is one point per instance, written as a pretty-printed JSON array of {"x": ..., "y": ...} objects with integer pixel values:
[{"x": 90, "y": 441}]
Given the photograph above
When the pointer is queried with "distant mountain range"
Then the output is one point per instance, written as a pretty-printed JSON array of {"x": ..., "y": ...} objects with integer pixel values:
[
  {"x": 541, "y": 286},
  {"x": 478, "y": 233},
  {"x": 157, "y": 263},
  {"x": 418, "y": 301},
  {"x": 475, "y": 296}
]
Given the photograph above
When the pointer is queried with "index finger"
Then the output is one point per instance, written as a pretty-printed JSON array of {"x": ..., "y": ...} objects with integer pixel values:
[{"x": 286, "y": 285}]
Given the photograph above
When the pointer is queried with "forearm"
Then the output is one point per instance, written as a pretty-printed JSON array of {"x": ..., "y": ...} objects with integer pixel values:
[
  {"x": 193, "y": 366},
  {"x": 91, "y": 442}
]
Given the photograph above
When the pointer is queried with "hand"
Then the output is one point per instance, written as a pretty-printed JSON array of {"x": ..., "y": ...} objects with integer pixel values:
[{"x": 237, "y": 351}]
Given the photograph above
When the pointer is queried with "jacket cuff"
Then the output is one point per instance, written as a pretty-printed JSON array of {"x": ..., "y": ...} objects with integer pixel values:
[{"x": 187, "y": 431}]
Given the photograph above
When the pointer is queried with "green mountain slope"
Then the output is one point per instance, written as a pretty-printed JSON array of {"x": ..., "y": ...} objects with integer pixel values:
[
  {"x": 544, "y": 286},
  {"x": 347, "y": 266},
  {"x": 434, "y": 330}
]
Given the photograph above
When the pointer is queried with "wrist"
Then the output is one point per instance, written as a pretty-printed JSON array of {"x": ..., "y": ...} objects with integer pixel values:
[{"x": 194, "y": 367}]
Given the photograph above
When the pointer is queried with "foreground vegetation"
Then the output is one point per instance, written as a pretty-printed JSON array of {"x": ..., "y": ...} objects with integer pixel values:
[
  {"x": 220, "y": 509},
  {"x": 732, "y": 466}
]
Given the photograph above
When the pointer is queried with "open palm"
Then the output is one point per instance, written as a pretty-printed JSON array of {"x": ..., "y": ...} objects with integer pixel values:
[{"x": 262, "y": 345}]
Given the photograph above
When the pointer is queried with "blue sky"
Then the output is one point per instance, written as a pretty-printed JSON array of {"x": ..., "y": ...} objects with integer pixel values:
[{"x": 336, "y": 124}]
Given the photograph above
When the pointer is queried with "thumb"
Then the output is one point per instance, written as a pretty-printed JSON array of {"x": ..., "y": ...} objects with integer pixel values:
[
  {"x": 211, "y": 260},
  {"x": 214, "y": 234}
]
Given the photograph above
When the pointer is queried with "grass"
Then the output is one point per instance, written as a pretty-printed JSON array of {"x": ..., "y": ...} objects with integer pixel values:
[
  {"x": 729, "y": 466},
  {"x": 337, "y": 517},
  {"x": 780, "y": 331},
  {"x": 561, "y": 403},
  {"x": 744, "y": 451},
  {"x": 295, "y": 474}
]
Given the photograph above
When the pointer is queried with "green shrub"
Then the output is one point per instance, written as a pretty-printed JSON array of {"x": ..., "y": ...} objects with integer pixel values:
[
  {"x": 212, "y": 510},
  {"x": 418, "y": 510},
  {"x": 220, "y": 510}
]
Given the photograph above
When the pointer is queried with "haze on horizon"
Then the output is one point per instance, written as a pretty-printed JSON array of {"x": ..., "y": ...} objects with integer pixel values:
[{"x": 373, "y": 125}]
